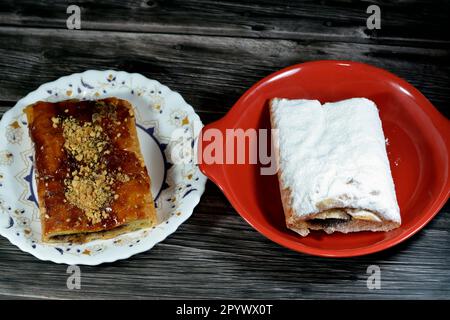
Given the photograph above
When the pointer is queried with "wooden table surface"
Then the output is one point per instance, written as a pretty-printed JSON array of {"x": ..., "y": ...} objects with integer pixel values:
[{"x": 211, "y": 52}]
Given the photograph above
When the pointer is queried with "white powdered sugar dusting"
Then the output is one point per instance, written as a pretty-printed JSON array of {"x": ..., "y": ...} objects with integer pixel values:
[{"x": 334, "y": 156}]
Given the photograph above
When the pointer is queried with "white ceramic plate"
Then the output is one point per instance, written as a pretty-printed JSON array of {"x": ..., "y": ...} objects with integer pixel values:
[{"x": 164, "y": 121}]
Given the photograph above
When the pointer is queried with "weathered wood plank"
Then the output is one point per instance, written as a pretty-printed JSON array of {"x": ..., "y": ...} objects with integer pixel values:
[
  {"x": 210, "y": 72},
  {"x": 406, "y": 22},
  {"x": 215, "y": 254}
]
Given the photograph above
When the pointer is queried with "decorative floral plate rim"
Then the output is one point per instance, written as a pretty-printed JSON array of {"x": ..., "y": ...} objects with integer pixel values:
[{"x": 159, "y": 112}]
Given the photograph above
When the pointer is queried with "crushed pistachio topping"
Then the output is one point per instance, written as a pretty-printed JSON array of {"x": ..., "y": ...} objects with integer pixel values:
[
  {"x": 90, "y": 194},
  {"x": 122, "y": 177},
  {"x": 55, "y": 122},
  {"x": 84, "y": 142},
  {"x": 89, "y": 187}
]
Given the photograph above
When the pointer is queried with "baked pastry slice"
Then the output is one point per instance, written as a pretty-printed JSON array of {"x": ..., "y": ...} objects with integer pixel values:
[
  {"x": 334, "y": 171},
  {"x": 91, "y": 178}
]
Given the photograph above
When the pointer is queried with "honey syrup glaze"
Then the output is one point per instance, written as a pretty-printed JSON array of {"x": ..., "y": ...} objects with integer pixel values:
[{"x": 57, "y": 166}]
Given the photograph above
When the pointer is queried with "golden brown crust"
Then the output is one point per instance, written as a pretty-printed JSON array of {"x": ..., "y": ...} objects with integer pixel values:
[{"x": 130, "y": 204}]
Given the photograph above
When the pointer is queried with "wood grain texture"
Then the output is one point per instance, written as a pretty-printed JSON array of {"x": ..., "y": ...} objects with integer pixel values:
[
  {"x": 210, "y": 72},
  {"x": 211, "y": 52},
  {"x": 403, "y": 22},
  {"x": 215, "y": 254}
]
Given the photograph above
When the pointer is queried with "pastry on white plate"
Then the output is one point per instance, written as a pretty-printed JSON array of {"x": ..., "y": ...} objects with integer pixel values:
[
  {"x": 91, "y": 178},
  {"x": 334, "y": 171}
]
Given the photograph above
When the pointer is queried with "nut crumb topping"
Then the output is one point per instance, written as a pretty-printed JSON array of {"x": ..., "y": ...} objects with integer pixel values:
[
  {"x": 91, "y": 194},
  {"x": 89, "y": 186},
  {"x": 83, "y": 142},
  {"x": 122, "y": 177},
  {"x": 55, "y": 122}
]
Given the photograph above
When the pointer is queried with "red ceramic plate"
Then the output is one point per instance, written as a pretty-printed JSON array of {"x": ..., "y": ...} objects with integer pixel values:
[{"x": 419, "y": 144}]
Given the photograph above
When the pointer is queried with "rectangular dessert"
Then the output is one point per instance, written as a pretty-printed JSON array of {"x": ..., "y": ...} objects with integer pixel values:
[
  {"x": 91, "y": 178},
  {"x": 334, "y": 171}
]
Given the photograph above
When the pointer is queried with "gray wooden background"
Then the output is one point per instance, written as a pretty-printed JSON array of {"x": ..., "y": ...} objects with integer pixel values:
[{"x": 211, "y": 52}]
